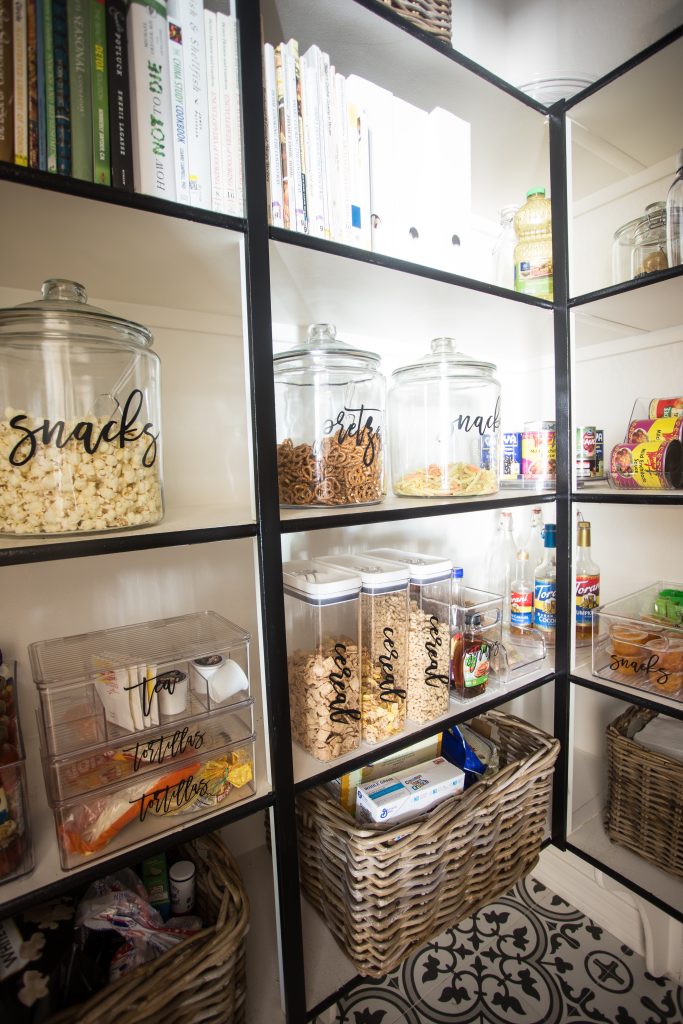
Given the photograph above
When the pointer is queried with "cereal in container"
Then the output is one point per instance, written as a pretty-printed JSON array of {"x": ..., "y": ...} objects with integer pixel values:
[
  {"x": 329, "y": 407},
  {"x": 80, "y": 418},
  {"x": 322, "y": 614},
  {"x": 384, "y": 642},
  {"x": 428, "y": 632}
]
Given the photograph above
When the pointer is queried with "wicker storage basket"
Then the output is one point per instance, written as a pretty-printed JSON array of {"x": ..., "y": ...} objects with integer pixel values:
[
  {"x": 202, "y": 980},
  {"x": 385, "y": 893},
  {"x": 431, "y": 15},
  {"x": 644, "y": 795}
]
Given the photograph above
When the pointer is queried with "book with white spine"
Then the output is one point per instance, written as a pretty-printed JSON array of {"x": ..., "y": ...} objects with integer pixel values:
[
  {"x": 150, "y": 99},
  {"x": 326, "y": 73},
  {"x": 287, "y": 199},
  {"x": 213, "y": 93},
  {"x": 318, "y": 223},
  {"x": 297, "y": 199},
  {"x": 177, "y": 76},
  {"x": 230, "y": 108},
  {"x": 191, "y": 14},
  {"x": 378, "y": 105},
  {"x": 293, "y": 48},
  {"x": 273, "y": 159},
  {"x": 341, "y": 164},
  {"x": 359, "y": 176},
  {"x": 20, "y": 81}
]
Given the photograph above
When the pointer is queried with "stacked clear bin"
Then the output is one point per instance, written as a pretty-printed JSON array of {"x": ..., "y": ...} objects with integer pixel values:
[
  {"x": 16, "y": 850},
  {"x": 638, "y": 640},
  {"x": 383, "y": 640},
  {"x": 143, "y": 727},
  {"x": 428, "y": 632},
  {"x": 322, "y": 616}
]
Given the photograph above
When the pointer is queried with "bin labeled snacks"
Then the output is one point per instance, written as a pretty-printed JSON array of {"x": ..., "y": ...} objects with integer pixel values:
[
  {"x": 384, "y": 642},
  {"x": 323, "y": 663},
  {"x": 428, "y": 632}
]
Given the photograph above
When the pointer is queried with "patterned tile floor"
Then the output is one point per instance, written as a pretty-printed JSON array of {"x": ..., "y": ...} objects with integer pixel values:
[{"x": 528, "y": 958}]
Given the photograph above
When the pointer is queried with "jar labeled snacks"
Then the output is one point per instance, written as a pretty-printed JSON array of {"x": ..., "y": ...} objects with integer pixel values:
[
  {"x": 323, "y": 665},
  {"x": 384, "y": 642},
  {"x": 329, "y": 406},
  {"x": 80, "y": 418},
  {"x": 428, "y": 632}
]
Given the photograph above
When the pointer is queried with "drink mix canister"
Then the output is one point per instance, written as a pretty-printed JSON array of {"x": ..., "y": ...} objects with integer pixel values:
[
  {"x": 666, "y": 428},
  {"x": 539, "y": 463},
  {"x": 653, "y": 465}
]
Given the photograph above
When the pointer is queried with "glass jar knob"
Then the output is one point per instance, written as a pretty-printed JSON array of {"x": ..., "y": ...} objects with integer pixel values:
[
  {"x": 321, "y": 332},
  {"x": 58, "y": 288}
]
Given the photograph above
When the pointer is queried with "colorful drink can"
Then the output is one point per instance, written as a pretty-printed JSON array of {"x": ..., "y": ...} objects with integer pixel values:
[
  {"x": 539, "y": 451},
  {"x": 666, "y": 428},
  {"x": 665, "y": 407},
  {"x": 512, "y": 456},
  {"x": 489, "y": 452},
  {"x": 599, "y": 452},
  {"x": 585, "y": 452},
  {"x": 654, "y": 465}
]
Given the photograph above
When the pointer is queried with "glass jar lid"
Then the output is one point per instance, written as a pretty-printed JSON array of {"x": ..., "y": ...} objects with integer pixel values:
[
  {"x": 655, "y": 217},
  {"x": 63, "y": 312},
  {"x": 445, "y": 360},
  {"x": 626, "y": 234},
  {"x": 323, "y": 348}
]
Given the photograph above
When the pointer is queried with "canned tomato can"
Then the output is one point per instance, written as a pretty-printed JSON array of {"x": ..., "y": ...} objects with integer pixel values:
[
  {"x": 512, "y": 456},
  {"x": 539, "y": 451},
  {"x": 653, "y": 465},
  {"x": 665, "y": 407},
  {"x": 599, "y": 452},
  {"x": 585, "y": 452},
  {"x": 666, "y": 428}
]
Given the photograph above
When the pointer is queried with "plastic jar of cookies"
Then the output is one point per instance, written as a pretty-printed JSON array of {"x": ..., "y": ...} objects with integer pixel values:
[
  {"x": 322, "y": 616},
  {"x": 428, "y": 632},
  {"x": 384, "y": 642},
  {"x": 80, "y": 418},
  {"x": 329, "y": 408},
  {"x": 445, "y": 425}
]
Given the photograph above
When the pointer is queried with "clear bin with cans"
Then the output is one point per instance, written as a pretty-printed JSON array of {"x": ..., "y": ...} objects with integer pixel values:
[{"x": 428, "y": 632}]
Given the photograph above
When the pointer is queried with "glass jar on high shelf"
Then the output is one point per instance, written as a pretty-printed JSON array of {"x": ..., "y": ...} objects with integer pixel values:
[
  {"x": 649, "y": 252},
  {"x": 329, "y": 408},
  {"x": 80, "y": 418}
]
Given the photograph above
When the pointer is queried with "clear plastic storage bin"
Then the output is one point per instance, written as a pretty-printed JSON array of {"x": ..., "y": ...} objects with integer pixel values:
[
  {"x": 428, "y": 632},
  {"x": 384, "y": 642},
  {"x": 638, "y": 640},
  {"x": 322, "y": 616},
  {"x": 476, "y": 634},
  {"x": 112, "y": 683},
  {"x": 16, "y": 848}
]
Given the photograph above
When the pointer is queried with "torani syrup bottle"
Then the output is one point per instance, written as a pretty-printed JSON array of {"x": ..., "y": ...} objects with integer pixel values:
[
  {"x": 587, "y": 586},
  {"x": 545, "y": 588}
]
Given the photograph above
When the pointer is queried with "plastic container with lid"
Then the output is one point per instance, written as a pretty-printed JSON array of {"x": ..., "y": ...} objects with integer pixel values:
[
  {"x": 445, "y": 425},
  {"x": 329, "y": 407},
  {"x": 623, "y": 245},
  {"x": 534, "y": 249},
  {"x": 476, "y": 632},
  {"x": 80, "y": 418},
  {"x": 428, "y": 632},
  {"x": 322, "y": 616},
  {"x": 384, "y": 641},
  {"x": 649, "y": 251}
]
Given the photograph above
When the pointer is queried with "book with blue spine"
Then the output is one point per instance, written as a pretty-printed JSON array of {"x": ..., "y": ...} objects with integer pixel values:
[{"x": 62, "y": 109}]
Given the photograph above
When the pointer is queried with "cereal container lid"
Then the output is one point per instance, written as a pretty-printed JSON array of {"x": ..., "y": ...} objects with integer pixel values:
[
  {"x": 377, "y": 574},
  {"x": 315, "y": 581},
  {"x": 423, "y": 568}
]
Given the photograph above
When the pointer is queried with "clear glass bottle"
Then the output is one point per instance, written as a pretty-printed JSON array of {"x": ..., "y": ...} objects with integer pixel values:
[
  {"x": 649, "y": 253},
  {"x": 534, "y": 249},
  {"x": 329, "y": 410},
  {"x": 534, "y": 541},
  {"x": 504, "y": 249},
  {"x": 80, "y": 417},
  {"x": 502, "y": 562},
  {"x": 587, "y": 586},
  {"x": 674, "y": 216},
  {"x": 545, "y": 588},
  {"x": 522, "y": 595},
  {"x": 445, "y": 425}
]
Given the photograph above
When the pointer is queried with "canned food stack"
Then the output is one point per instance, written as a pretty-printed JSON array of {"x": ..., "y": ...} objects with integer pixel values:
[
  {"x": 651, "y": 456},
  {"x": 142, "y": 727}
]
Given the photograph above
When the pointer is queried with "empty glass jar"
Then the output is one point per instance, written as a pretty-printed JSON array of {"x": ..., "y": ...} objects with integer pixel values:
[
  {"x": 445, "y": 425},
  {"x": 329, "y": 407},
  {"x": 80, "y": 418},
  {"x": 623, "y": 245}
]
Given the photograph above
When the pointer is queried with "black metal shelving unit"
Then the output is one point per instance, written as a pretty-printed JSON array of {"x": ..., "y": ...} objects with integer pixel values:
[{"x": 270, "y": 526}]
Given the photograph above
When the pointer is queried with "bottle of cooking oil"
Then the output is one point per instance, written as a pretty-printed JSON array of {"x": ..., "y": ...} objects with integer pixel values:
[{"x": 534, "y": 250}]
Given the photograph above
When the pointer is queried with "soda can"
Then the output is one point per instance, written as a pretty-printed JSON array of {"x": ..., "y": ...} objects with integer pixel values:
[
  {"x": 512, "y": 456},
  {"x": 599, "y": 453},
  {"x": 654, "y": 465},
  {"x": 539, "y": 453},
  {"x": 665, "y": 407},
  {"x": 489, "y": 452},
  {"x": 585, "y": 452},
  {"x": 665, "y": 428}
]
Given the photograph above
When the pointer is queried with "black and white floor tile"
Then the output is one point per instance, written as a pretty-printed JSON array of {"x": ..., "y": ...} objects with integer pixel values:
[{"x": 528, "y": 958}]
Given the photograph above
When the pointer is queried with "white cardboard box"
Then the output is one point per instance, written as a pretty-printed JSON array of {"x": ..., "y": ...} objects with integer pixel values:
[{"x": 408, "y": 793}]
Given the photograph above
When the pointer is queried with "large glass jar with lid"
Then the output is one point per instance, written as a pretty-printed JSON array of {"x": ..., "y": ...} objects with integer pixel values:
[
  {"x": 80, "y": 418},
  {"x": 623, "y": 245},
  {"x": 445, "y": 425},
  {"x": 329, "y": 407},
  {"x": 649, "y": 252}
]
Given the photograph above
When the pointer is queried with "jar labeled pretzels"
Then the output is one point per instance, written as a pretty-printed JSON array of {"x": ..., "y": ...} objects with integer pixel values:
[{"x": 329, "y": 407}]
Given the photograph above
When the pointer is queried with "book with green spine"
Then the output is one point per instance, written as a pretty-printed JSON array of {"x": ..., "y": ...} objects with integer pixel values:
[
  {"x": 50, "y": 100},
  {"x": 100, "y": 93},
  {"x": 79, "y": 83}
]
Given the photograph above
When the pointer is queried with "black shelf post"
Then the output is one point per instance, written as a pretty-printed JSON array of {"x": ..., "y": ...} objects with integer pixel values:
[{"x": 259, "y": 325}]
